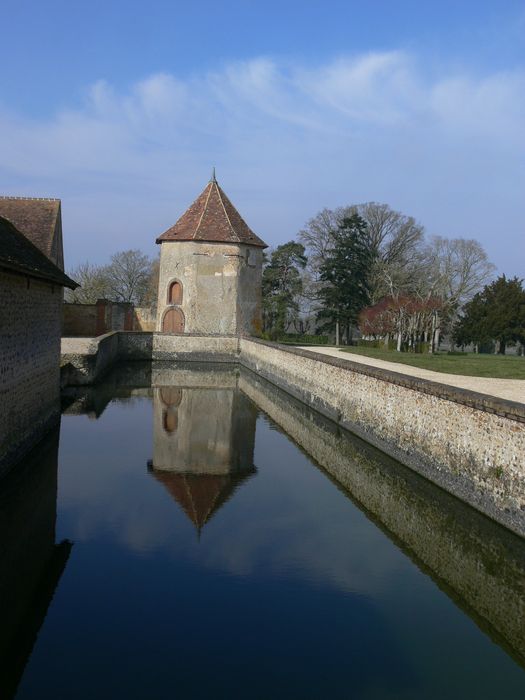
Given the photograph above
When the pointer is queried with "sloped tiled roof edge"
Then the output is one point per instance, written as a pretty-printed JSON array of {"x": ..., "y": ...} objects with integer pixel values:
[
  {"x": 201, "y": 495},
  {"x": 212, "y": 218},
  {"x": 19, "y": 254},
  {"x": 35, "y": 217}
]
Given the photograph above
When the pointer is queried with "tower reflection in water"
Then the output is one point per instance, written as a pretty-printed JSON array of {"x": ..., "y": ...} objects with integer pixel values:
[
  {"x": 204, "y": 436},
  {"x": 31, "y": 563}
]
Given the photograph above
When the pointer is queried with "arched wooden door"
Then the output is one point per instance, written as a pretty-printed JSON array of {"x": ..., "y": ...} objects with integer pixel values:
[{"x": 173, "y": 321}]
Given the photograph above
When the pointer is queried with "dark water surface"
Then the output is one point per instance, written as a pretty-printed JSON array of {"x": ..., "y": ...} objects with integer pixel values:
[{"x": 201, "y": 552}]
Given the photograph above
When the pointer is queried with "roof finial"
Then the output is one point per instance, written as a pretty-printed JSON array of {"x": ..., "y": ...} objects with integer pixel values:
[{"x": 213, "y": 178}]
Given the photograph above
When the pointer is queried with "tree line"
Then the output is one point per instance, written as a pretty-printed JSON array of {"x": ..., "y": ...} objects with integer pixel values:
[
  {"x": 363, "y": 267},
  {"x": 371, "y": 268}
]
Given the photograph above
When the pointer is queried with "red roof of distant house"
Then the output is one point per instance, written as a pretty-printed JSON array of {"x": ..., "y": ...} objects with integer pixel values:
[
  {"x": 213, "y": 218},
  {"x": 35, "y": 217}
]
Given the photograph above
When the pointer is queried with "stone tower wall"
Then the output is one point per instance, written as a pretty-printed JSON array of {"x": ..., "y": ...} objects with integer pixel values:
[{"x": 221, "y": 285}]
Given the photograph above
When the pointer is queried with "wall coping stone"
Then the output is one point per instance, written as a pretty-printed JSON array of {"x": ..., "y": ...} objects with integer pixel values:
[
  {"x": 505, "y": 408},
  {"x": 82, "y": 346}
]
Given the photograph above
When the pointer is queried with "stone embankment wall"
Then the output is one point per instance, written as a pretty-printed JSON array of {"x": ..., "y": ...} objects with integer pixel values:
[
  {"x": 480, "y": 565},
  {"x": 469, "y": 444},
  {"x": 29, "y": 363},
  {"x": 86, "y": 360}
]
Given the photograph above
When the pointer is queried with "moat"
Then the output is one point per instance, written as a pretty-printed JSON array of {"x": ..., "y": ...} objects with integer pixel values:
[{"x": 192, "y": 531}]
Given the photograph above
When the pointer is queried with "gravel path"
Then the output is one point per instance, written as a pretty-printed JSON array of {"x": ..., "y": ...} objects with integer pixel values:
[{"x": 511, "y": 389}]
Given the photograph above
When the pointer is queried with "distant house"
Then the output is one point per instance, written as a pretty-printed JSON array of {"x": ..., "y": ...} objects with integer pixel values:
[{"x": 31, "y": 294}]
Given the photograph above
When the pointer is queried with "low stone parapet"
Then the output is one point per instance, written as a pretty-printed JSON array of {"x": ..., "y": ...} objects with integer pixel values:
[{"x": 84, "y": 361}]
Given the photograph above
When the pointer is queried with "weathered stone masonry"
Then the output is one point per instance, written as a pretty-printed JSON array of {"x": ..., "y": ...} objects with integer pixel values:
[
  {"x": 31, "y": 296},
  {"x": 469, "y": 444},
  {"x": 210, "y": 270},
  {"x": 30, "y": 313}
]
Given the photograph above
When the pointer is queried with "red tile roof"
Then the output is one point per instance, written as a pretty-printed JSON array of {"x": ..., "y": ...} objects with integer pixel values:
[
  {"x": 37, "y": 219},
  {"x": 18, "y": 254},
  {"x": 201, "y": 495},
  {"x": 212, "y": 217}
]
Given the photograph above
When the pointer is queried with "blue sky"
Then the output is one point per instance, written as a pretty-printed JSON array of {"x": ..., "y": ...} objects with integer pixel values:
[{"x": 121, "y": 108}]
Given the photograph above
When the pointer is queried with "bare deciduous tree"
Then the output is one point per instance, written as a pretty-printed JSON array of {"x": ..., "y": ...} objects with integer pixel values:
[
  {"x": 453, "y": 271},
  {"x": 456, "y": 268},
  {"x": 130, "y": 277},
  {"x": 318, "y": 234},
  {"x": 93, "y": 284}
]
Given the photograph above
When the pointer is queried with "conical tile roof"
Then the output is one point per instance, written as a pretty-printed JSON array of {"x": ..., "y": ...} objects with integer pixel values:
[
  {"x": 201, "y": 495},
  {"x": 212, "y": 217}
]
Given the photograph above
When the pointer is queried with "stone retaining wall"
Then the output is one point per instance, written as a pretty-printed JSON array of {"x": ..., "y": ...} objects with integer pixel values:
[
  {"x": 85, "y": 360},
  {"x": 178, "y": 348},
  {"x": 469, "y": 444}
]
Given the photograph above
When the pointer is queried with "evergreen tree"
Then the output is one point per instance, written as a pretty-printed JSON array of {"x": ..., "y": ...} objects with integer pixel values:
[
  {"x": 496, "y": 313},
  {"x": 281, "y": 285},
  {"x": 345, "y": 274}
]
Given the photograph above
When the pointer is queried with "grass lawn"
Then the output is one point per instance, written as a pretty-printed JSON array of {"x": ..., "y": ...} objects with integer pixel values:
[{"x": 470, "y": 364}]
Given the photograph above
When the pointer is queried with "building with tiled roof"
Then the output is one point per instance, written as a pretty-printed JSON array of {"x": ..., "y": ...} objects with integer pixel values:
[
  {"x": 212, "y": 218},
  {"x": 40, "y": 220},
  {"x": 19, "y": 255},
  {"x": 210, "y": 270},
  {"x": 31, "y": 294}
]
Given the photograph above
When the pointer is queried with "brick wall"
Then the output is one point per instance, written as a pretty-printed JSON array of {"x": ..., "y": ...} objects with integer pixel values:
[
  {"x": 79, "y": 320},
  {"x": 30, "y": 319},
  {"x": 91, "y": 320}
]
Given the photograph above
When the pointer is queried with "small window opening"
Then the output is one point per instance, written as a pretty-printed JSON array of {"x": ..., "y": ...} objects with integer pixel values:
[{"x": 175, "y": 293}]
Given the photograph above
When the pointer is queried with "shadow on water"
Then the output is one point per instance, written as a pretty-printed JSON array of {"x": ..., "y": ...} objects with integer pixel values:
[{"x": 31, "y": 563}]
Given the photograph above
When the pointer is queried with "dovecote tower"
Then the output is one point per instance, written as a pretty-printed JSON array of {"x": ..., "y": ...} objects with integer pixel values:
[{"x": 210, "y": 270}]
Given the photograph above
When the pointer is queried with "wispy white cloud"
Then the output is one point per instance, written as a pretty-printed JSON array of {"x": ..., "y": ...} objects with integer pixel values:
[{"x": 287, "y": 139}]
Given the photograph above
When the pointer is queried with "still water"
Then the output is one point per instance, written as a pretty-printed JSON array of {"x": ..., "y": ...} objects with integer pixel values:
[{"x": 195, "y": 533}]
